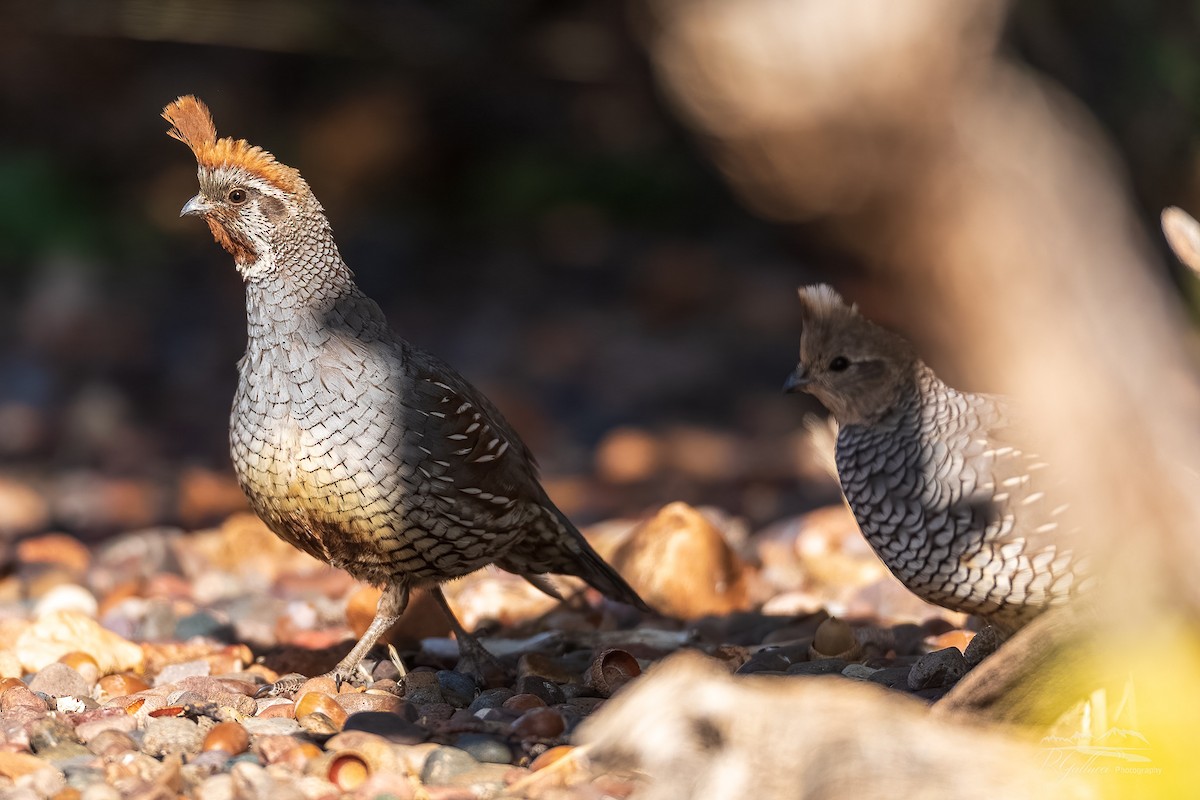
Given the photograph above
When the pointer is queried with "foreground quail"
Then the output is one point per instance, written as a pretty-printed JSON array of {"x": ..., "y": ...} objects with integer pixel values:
[
  {"x": 947, "y": 499},
  {"x": 350, "y": 443}
]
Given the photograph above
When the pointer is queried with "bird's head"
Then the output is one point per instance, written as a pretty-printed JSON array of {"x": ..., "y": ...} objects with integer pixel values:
[
  {"x": 857, "y": 369},
  {"x": 249, "y": 200}
]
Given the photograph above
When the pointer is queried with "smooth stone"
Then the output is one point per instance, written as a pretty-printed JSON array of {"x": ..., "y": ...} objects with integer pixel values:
[
  {"x": 892, "y": 677},
  {"x": 444, "y": 764},
  {"x": 484, "y": 748},
  {"x": 201, "y": 623},
  {"x": 271, "y": 726},
  {"x": 392, "y": 727},
  {"x": 490, "y": 698},
  {"x": 547, "y": 690},
  {"x": 937, "y": 669},
  {"x": 458, "y": 689},
  {"x": 764, "y": 661},
  {"x": 59, "y": 680},
  {"x": 821, "y": 666},
  {"x": 173, "y": 673},
  {"x": 858, "y": 671}
]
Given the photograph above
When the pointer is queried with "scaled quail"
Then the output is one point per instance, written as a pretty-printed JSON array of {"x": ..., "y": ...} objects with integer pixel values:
[
  {"x": 947, "y": 499},
  {"x": 350, "y": 443}
]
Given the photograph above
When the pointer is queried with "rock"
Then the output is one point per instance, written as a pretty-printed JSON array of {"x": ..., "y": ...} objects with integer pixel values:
[
  {"x": 457, "y": 689},
  {"x": 484, "y": 748},
  {"x": 177, "y": 672},
  {"x": 548, "y": 691},
  {"x": 54, "y": 635},
  {"x": 821, "y": 666},
  {"x": 172, "y": 736},
  {"x": 67, "y": 597},
  {"x": 627, "y": 455},
  {"x": 59, "y": 680},
  {"x": 107, "y": 719},
  {"x": 539, "y": 724},
  {"x": 490, "y": 698},
  {"x": 22, "y": 509},
  {"x": 891, "y": 677},
  {"x": 357, "y": 702},
  {"x": 858, "y": 671},
  {"x": 391, "y": 726},
  {"x": 446, "y": 763},
  {"x": 682, "y": 566},
  {"x": 982, "y": 645},
  {"x": 937, "y": 669},
  {"x": 273, "y": 726},
  {"x": 204, "y": 624},
  {"x": 422, "y": 687}
]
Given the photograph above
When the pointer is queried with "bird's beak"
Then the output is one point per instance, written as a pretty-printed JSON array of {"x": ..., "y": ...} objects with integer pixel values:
[
  {"x": 196, "y": 207},
  {"x": 796, "y": 381}
]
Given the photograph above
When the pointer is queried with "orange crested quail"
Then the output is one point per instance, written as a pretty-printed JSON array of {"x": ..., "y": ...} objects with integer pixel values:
[
  {"x": 350, "y": 443},
  {"x": 952, "y": 505}
]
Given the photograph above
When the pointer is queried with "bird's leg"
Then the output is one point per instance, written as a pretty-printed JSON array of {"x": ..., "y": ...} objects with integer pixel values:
[
  {"x": 473, "y": 657},
  {"x": 391, "y": 605}
]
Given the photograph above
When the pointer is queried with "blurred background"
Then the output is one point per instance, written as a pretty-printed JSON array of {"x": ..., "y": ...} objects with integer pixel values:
[{"x": 508, "y": 180}]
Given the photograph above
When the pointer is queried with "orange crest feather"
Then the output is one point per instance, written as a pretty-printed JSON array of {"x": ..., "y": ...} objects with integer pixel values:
[{"x": 192, "y": 124}]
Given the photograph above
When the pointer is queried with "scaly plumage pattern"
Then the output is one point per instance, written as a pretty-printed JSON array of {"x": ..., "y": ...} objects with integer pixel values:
[
  {"x": 350, "y": 443},
  {"x": 939, "y": 485}
]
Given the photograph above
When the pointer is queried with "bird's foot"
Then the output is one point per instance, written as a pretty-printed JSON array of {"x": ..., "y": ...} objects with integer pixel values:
[
  {"x": 288, "y": 685},
  {"x": 285, "y": 686}
]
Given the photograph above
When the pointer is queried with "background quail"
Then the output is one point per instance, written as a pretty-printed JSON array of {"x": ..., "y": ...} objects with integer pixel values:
[
  {"x": 947, "y": 499},
  {"x": 350, "y": 443}
]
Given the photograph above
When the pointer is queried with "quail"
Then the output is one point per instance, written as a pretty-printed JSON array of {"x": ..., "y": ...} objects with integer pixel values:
[
  {"x": 936, "y": 477},
  {"x": 350, "y": 443}
]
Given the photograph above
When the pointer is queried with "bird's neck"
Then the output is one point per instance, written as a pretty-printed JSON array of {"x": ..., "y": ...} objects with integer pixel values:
[{"x": 300, "y": 283}]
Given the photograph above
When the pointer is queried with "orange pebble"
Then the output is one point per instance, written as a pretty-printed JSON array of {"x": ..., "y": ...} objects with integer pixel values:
[{"x": 229, "y": 737}]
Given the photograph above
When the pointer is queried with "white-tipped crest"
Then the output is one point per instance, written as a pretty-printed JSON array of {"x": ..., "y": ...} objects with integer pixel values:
[{"x": 821, "y": 300}]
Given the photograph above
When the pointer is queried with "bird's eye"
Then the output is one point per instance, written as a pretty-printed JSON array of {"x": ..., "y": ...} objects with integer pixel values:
[
  {"x": 237, "y": 196},
  {"x": 839, "y": 364}
]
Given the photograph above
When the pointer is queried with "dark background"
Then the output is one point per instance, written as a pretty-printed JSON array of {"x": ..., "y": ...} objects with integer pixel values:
[{"x": 506, "y": 180}]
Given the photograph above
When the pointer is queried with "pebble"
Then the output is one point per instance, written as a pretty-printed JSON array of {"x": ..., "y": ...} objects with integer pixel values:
[
  {"x": 539, "y": 723},
  {"x": 173, "y": 673},
  {"x": 891, "y": 677},
  {"x": 203, "y": 624},
  {"x": 821, "y": 666},
  {"x": 271, "y": 726},
  {"x": 982, "y": 645},
  {"x": 422, "y": 687},
  {"x": 61, "y": 632},
  {"x": 67, "y": 597},
  {"x": 490, "y": 698},
  {"x": 937, "y": 669},
  {"x": 391, "y": 726},
  {"x": 59, "y": 680},
  {"x": 548, "y": 691},
  {"x": 172, "y": 736},
  {"x": 446, "y": 763},
  {"x": 858, "y": 671},
  {"x": 457, "y": 689},
  {"x": 484, "y": 748}
]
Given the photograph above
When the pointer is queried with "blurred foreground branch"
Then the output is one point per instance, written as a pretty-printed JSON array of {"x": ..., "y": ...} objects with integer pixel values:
[{"x": 987, "y": 204}]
